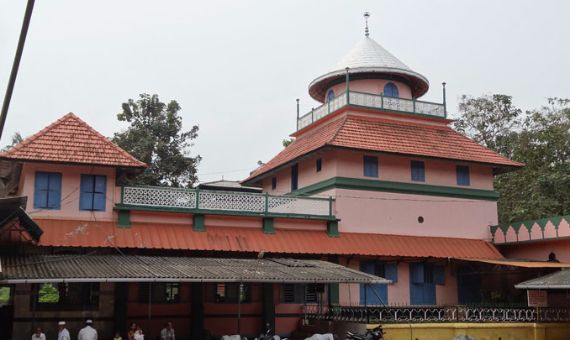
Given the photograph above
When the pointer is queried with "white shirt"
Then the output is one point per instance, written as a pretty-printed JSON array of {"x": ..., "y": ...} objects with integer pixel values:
[
  {"x": 139, "y": 335},
  {"x": 42, "y": 336},
  {"x": 87, "y": 333},
  {"x": 63, "y": 335}
]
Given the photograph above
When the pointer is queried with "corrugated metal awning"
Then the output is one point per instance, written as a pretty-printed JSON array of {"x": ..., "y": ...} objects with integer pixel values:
[
  {"x": 520, "y": 263},
  {"x": 91, "y": 234},
  {"x": 133, "y": 268},
  {"x": 556, "y": 280}
]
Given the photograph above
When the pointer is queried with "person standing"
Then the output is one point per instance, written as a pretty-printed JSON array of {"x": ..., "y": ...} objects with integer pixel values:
[
  {"x": 87, "y": 332},
  {"x": 167, "y": 333},
  {"x": 63, "y": 333},
  {"x": 38, "y": 335}
]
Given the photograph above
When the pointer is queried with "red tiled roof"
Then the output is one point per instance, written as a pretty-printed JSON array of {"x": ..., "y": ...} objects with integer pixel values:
[
  {"x": 387, "y": 135},
  {"x": 71, "y": 140},
  {"x": 67, "y": 233}
]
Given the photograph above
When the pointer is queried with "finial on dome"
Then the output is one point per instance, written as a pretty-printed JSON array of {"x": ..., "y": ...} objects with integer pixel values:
[{"x": 366, "y": 16}]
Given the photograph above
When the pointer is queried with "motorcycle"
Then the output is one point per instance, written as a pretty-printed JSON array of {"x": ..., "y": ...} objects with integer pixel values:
[{"x": 375, "y": 333}]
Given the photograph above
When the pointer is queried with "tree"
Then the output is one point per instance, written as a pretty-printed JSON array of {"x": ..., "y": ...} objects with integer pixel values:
[
  {"x": 538, "y": 138},
  {"x": 286, "y": 142},
  {"x": 155, "y": 137},
  {"x": 16, "y": 139}
]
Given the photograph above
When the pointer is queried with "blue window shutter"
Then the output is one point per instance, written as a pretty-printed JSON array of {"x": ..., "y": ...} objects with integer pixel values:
[
  {"x": 86, "y": 194},
  {"x": 99, "y": 196},
  {"x": 417, "y": 272},
  {"x": 54, "y": 193},
  {"x": 463, "y": 175},
  {"x": 391, "y": 270},
  {"x": 41, "y": 186},
  {"x": 391, "y": 90},
  {"x": 370, "y": 166},
  {"x": 366, "y": 267},
  {"x": 418, "y": 171},
  {"x": 439, "y": 275}
]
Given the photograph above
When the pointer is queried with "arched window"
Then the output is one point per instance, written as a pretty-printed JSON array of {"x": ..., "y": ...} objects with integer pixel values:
[
  {"x": 391, "y": 90},
  {"x": 330, "y": 95}
]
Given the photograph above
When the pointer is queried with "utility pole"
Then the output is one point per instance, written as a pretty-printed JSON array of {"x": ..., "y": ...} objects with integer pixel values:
[{"x": 16, "y": 64}]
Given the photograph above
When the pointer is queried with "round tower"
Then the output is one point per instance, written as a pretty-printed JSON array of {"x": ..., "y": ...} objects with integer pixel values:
[{"x": 372, "y": 69}]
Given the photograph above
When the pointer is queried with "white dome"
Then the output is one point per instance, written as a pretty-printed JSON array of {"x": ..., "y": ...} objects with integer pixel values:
[{"x": 368, "y": 57}]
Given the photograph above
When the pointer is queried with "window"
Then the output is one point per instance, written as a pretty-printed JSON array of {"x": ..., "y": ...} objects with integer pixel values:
[
  {"x": 418, "y": 171},
  {"x": 294, "y": 177},
  {"x": 330, "y": 95},
  {"x": 370, "y": 166},
  {"x": 463, "y": 175},
  {"x": 377, "y": 294},
  {"x": 71, "y": 295},
  {"x": 47, "y": 190},
  {"x": 161, "y": 292},
  {"x": 301, "y": 293},
  {"x": 319, "y": 165},
  {"x": 93, "y": 192},
  {"x": 391, "y": 90},
  {"x": 273, "y": 183},
  {"x": 229, "y": 292},
  {"x": 422, "y": 283}
]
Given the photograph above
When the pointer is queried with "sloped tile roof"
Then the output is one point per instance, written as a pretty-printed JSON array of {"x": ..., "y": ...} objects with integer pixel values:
[
  {"x": 71, "y": 140},
  {"x": 68, "y": 233},
  {"x": 390, "y": 136}
]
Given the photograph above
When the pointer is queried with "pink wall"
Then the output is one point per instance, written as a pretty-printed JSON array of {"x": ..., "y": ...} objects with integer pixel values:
[
  {"x": 373, "y": 86},
  {"x": 393, "y": 168},
  {"x": 538, "y": 250},
  {"x": 69, "y": 192},
  {"x": 397, "y": 168},
  {"x": 399, "y": 292},
  {"x": 391, "y": 213},
  {"x": 536, "y": 233},
  {"x": 307, "y": 173}
]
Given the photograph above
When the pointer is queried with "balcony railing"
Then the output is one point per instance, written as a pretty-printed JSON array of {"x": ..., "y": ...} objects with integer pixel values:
[
  {"x": 416, "y": 314},
  {"x": 372, "y": 101},
  {"x": 226, "y": 201}
]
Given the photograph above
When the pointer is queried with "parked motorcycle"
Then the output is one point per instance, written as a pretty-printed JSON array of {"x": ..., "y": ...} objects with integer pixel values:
[{"x": 376, "y": 333}]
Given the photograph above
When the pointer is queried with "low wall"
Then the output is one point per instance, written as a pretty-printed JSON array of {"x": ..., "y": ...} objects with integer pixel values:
[
  {"x": 478, "y": 331},
  {"x": 449, "y": 331}
]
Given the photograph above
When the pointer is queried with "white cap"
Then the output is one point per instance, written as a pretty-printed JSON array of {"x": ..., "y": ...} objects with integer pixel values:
[
  {"x": 89, "y": 321},
  {"x": 61, "y": 323}
]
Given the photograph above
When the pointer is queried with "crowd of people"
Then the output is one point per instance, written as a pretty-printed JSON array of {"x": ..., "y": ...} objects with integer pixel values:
[{"x": 135, "y": 332}]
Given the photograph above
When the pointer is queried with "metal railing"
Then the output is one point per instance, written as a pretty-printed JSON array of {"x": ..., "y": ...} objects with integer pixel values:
[
  {"x": 379, "y": 314},
  {"x": 372, "y": 101},
  {"x": 225, "y": 201}
]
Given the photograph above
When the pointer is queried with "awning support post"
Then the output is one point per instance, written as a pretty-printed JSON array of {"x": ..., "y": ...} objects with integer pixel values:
[
  {"x": 366, "y": 303},
  {"x": 240, "y": 287},
  {"x": 149, "y": 302}
]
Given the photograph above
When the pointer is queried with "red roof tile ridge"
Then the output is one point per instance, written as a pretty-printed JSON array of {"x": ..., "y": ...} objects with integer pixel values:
[
  {"x": 68, "y": 117},
  {"x": 36, "y": 135},
  {"x": 105, "y": 139},
  {"x": 394, "y": 121}
]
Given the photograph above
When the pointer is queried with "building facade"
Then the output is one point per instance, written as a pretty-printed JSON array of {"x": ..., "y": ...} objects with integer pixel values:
[{"x": 375, "y": 181}]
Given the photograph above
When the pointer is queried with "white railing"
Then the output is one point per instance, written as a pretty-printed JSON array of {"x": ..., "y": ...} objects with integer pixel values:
[
  {"x": 371, "y": 101},
  {"x": 225, "y": 201}
]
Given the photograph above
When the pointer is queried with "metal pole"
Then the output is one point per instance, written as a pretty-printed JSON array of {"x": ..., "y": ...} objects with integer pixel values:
[
  {"x": 347, "y": 81},
  {"x": 366, "y": 302},
  {"x": 239, "y": 309},
  {"x": 16, "y": 64},
  {"x": 444, "y": 101},
  {"x": 149, "y": 303},
  {"x": 297, "y": 113}
]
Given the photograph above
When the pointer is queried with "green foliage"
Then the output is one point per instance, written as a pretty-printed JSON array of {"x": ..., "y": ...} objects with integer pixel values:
[
  {"x": 48, "y": 293},
  {"x": 4, "y": 295},
  {"x": 16, "y": 139},
  {"x": 155, "y": 137},
  {"x": 286, "y": 142},
  {"x": 539, "y": 138}
]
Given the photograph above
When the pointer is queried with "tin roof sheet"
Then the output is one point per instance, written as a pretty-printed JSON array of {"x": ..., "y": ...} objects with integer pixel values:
[{"x": 117, "y": 268}]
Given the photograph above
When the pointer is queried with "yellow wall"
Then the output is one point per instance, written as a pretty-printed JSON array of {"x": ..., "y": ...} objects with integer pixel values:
[{"x": 486, "y": 331}]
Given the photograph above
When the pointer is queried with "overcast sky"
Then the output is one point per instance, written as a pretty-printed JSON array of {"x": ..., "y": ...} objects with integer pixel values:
[{"x": 236, "y": 67}]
